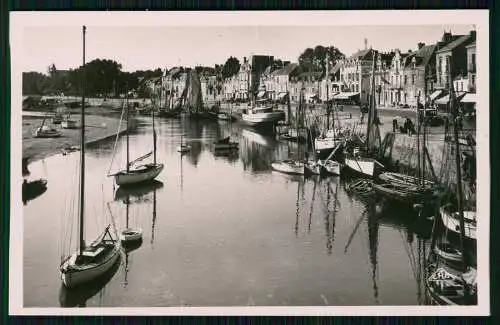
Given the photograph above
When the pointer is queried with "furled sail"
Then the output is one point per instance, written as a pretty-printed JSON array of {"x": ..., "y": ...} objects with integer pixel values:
[{"x": 194, "y": 100}]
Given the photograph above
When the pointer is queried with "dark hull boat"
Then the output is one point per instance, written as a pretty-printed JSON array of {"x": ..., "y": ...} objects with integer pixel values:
[
  {"x": 225, "y": 144},
  {"x": 33, "y": 189},
  {"x": 447, "y": 289},
  {"x": 403, "y": 193}
]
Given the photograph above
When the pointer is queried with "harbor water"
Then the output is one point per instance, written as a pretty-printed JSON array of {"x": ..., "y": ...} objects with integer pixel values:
[{"x": 220, "y": 229}]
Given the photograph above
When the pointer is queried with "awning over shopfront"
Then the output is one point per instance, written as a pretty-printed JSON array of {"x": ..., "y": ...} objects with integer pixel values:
[
  {"x": 281, "y": 95},
  {"x": 444, "y": 100},
  {"x": 469, "y": 98},
  {"x": 345, "y": 95},
  {"x": 435, "y": 94}
]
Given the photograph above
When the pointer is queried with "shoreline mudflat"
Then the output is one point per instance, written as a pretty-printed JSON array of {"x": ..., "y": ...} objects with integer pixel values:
[{"x": 98, "y": 127}]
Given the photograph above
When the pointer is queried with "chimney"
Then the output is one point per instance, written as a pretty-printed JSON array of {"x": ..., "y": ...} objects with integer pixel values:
[
  {"x": 420, "y": 45},
  {"x": 473, "y": 34},
  {"x": 446, "y": 37},
  {"x": 366, "y": 44},
  {"x": 244, "y": 59}
]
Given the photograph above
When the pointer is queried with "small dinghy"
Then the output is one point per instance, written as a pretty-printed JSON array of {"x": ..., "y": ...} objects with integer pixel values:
[
  {"x": 398, "y": 178},
  {"x": 46, "y": 132},
  {"x": 131, "y": 235},
  {"x": 361, "y": 187},
  {"x": 183, "y": 148},
  {"x": 448, "y": 252},
  {"x": 403, "y": 193}
]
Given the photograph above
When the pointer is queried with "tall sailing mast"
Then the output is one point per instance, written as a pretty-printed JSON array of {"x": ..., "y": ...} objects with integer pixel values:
[
  {"x": 455, "y": 116},
  {"x": 82, "y": 157}
]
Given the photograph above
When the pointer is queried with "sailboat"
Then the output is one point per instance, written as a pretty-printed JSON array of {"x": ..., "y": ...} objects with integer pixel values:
[
  {"x": 326, "y": 143},
  {"x": 93, "y": 260},
  {"x": 134, "y": 174},
  {"x": 359, "y": 160},
  {"x": 44, "y": 131},
  {"x": 292, "y": 166},
  {"x": 445, "y": 286}
]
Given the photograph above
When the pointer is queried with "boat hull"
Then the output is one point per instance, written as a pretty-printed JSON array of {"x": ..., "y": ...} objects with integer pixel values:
[
  {"x": 68, "y": 124},
  {"x": 364, "y": 166},
  {"x": 331, "y": 167},
  {"x": 138, "y": 176},
  {"x": 131, "y": 235},
  {"x": 262, "y": 118},
  {"x": 183, "y": 148},
  {"x": 452, "y": 222},
  {"x": 74, "y": 278},
  {"x": 295, "y": 168}
]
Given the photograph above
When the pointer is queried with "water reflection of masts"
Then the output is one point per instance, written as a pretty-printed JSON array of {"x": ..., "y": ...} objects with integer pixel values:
[
  {"x": 373, "y": 229},
  {"x": 297, "y": 210},
  {"x": 154, "y": 218}
]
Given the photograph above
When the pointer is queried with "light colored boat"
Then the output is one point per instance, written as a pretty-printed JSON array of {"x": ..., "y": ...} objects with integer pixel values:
[
  {"x": 68, "y": 123},
  {"x": 330, "y": 166},
  {"x": 89, "y": 261},
  {"x": 289, "y": 166},
  {"x": 131, "y": 234},
  {"x": 44, "y": 131},
  {"x": 138, "y": 174},
  {"x": 451, "y": 221},
  {"x": 363, "y": 165},
  {"x": 312, "y": 167},
  {"x": 224, "y": 117},
  {"x": 260, "y": 115},
  {"x": 183, "y": 148},
  {"x": 134, "y": 174},
  {"x": 327, "y": 142}
]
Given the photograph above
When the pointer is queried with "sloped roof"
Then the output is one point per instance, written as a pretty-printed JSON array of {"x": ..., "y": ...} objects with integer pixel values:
[
  {"x": 461, "y": 40},
  {"x": 310, "y": 74},
  {"x": 174, "y": 71},
  {"x": 422, "y": 56},
  {"x": 473, "y": 44},
  {"x": 287, "y": 70},
  {"x": 362, "y": 54}
]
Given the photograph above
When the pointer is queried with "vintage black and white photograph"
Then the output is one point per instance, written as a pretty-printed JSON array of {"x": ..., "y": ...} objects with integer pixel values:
[{"x": 254, "y": 160}]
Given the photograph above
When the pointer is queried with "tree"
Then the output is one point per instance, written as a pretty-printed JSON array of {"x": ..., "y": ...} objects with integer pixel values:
[
  {"x": 316, "y": 57},
  {"x": 231, "y": 67},
  {"x": 33, "y": 83}
]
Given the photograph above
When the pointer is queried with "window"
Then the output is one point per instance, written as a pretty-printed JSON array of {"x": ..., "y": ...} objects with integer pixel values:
[
  {"x": 405, "y": 79},
  {"x": 412, "y": 79}
]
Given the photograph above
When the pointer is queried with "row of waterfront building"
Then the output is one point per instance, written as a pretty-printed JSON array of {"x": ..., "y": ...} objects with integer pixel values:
[{"x": 401, "y": 79}]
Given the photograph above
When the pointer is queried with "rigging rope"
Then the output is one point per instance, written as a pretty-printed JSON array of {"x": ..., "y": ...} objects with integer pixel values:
[{"x": 116, "y": 142}]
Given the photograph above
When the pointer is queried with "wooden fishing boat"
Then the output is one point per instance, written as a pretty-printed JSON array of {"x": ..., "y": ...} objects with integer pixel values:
[
  {"x": 91, "y": 261},
  {"x": 311, "y": 167},
  {"x": 129, "y": 234},
  {"x": 451, "y": 220},
  {"x": 331, "y": 167},
  {"x": 365, "y": 166},
  {"x": 447, "y": 286},
  {"x": 448, "y": 252},
  {"x": 289, "y": 166},
  {"x": 361, "y": 187},
  {"x": 224, "y": 116},
  {"x": 405, "y": 193},
  {"x": 225, "y": 144},
  {"x": 398, "y": 178}
]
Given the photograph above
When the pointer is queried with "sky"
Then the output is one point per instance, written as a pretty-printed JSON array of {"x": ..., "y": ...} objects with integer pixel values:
[{"x": 150, "y": 47}]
